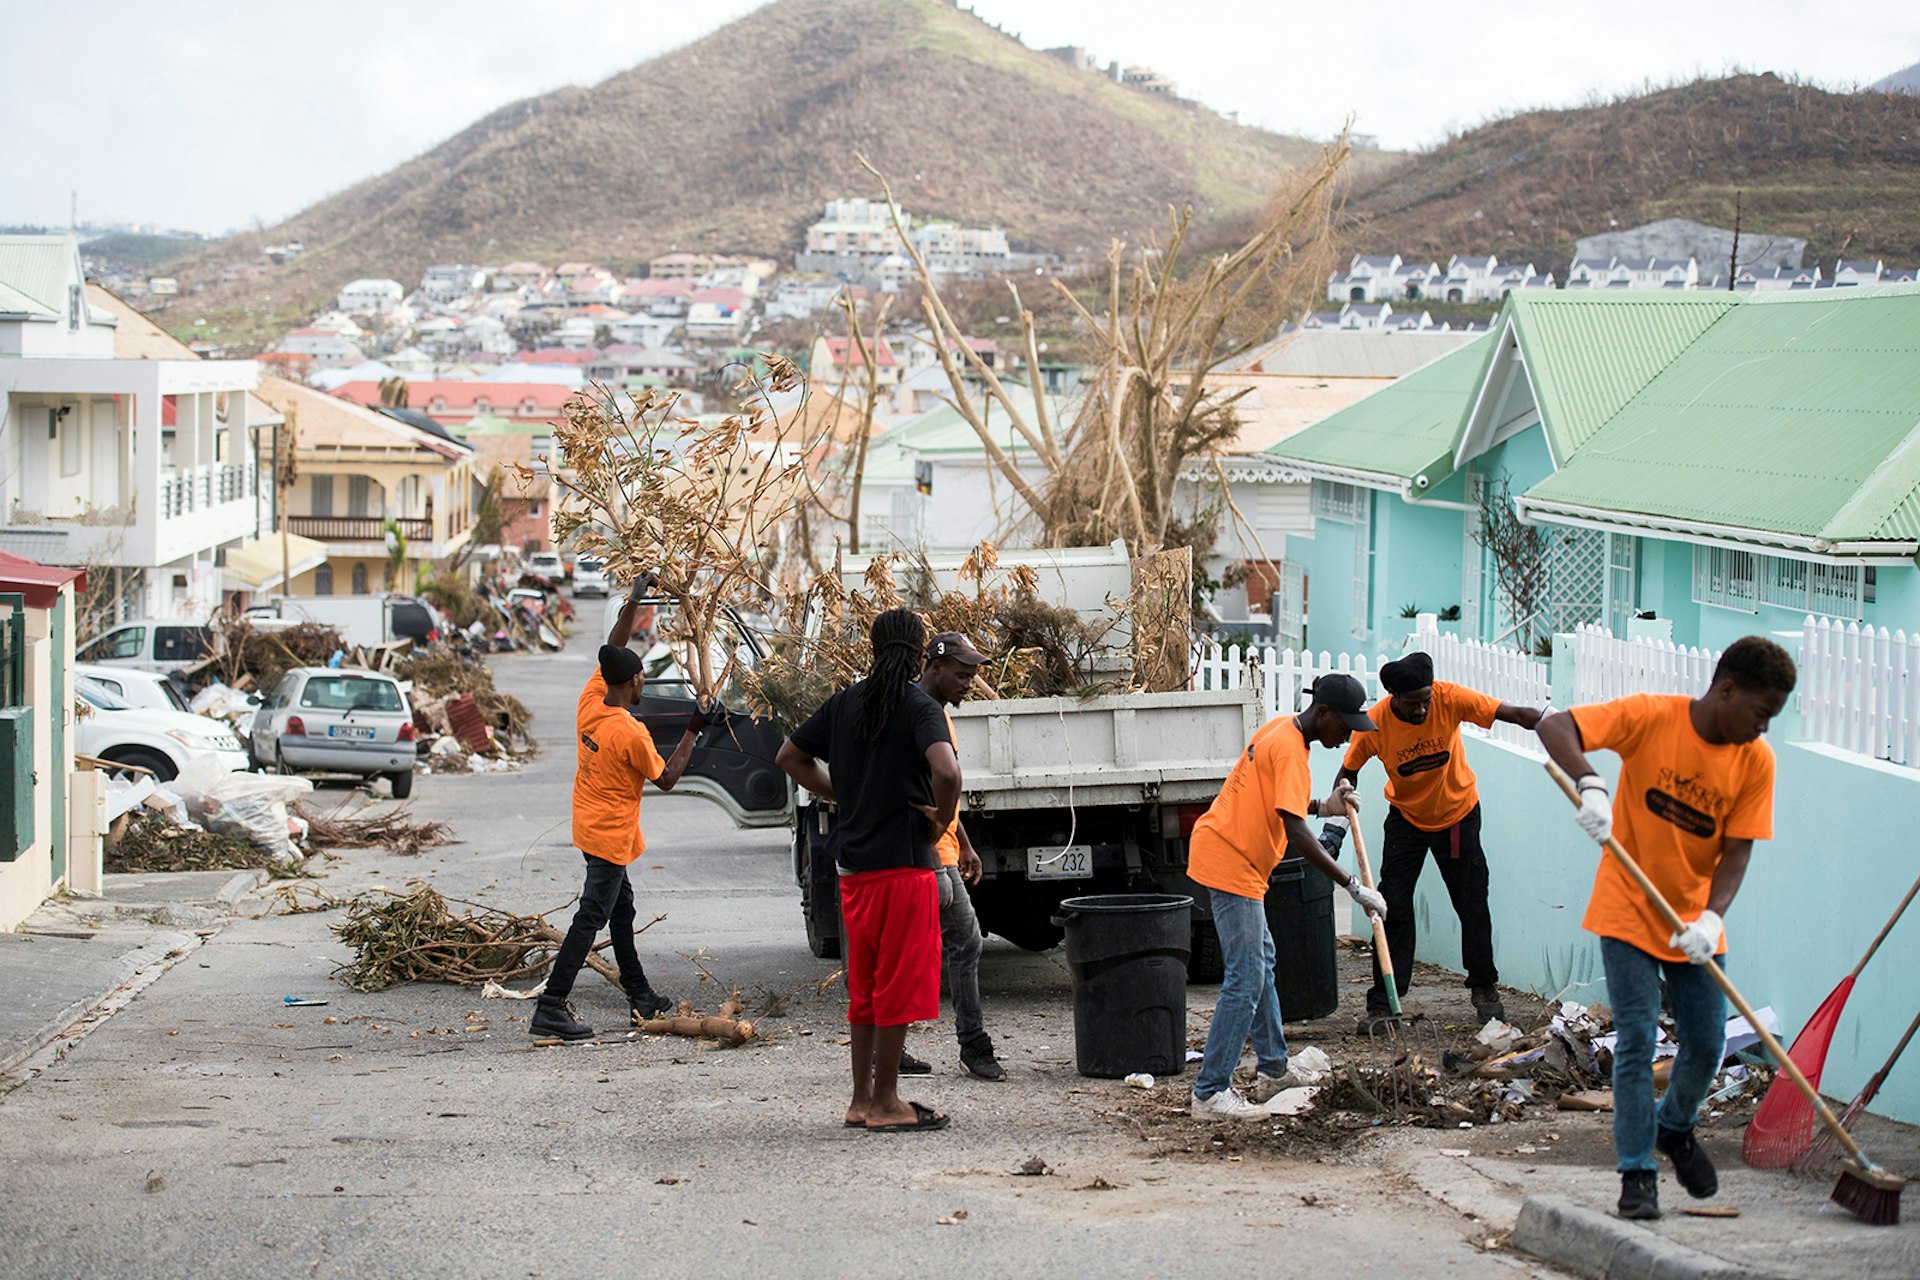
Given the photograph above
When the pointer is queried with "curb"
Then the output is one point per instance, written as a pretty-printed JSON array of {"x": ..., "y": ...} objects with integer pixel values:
[
  {"x": 131, "y": 972},
  {"x": 239, "y": 885},
  {"x": 1591, "y": 1243}
]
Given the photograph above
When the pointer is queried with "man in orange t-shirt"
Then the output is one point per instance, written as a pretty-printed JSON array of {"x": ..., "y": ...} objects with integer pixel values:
[
  {"x": 615, "y": 760},
  {"x": 1433, "y": 807},
  {"x": 1261, "y": 814},
  {"x": 1696, "y": 790}
]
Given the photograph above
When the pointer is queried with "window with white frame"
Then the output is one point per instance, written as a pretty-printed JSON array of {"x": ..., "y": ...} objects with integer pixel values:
[
  {"x": 1744, "y": 580},
  {"x": 1623, "y": 580},
  {"x": 1336, "y": 501}
]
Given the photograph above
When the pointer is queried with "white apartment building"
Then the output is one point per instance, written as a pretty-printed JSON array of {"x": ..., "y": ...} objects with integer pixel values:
[
  {"x": 370, "y": 297},
  {"x": 851, "y": 227},
  {"x": 119, "y": 448}
]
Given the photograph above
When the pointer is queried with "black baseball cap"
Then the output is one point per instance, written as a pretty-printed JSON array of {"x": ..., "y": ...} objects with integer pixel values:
[
  {"x": 1346, "y": 696},
  {"x": 955, "y": 645}
]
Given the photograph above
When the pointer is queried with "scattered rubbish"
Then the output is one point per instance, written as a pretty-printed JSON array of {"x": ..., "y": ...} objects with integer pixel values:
[
  {"x": 1741, "y": 1035},
  {"x": 1498, "y": 1036},
  {"x": 1098, "y": 1184},
  {"x": 392, "y": 830},
  {"x": 1032, "y": 1167},
  {"x": 1290, "y": 1102},
  {"x": 301, "y": 1001},
  {"x": 1456, "y": 1152},
  {"x": 1194, "y": 1055},
  {"x": 953, "y": 1219},
  {"x": 1310, "y": 1066},
  {"x": 494, "y": 991},
  {"x": 1139, "y": 1080}
]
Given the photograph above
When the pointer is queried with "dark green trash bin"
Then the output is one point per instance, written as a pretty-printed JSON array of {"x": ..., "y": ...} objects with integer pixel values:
[
  {"x": 1305, "y": 953},
  {"x": 1127, "y": 953}
]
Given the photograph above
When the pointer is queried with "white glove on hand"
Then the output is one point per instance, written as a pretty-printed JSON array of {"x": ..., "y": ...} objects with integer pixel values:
[
  {"x": 1596, "y": 809},
  {"x": 1369, "y": 900},
  {"x": 1700, "y": 939}
]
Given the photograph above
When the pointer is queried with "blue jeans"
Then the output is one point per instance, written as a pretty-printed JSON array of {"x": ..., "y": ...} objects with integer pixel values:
[
  {"x": 1248, "y": 1000},
  {"x": 1699, "y": 1023}
]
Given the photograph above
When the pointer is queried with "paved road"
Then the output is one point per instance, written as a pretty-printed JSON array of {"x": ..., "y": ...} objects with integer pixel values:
[{"x": 204, "y": 1130}]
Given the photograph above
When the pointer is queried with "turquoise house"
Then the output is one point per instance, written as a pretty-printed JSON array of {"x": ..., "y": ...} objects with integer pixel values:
[{"x": 1729, "y": 462}]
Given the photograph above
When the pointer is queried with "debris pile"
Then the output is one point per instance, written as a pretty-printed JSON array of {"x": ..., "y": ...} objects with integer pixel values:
[
  {"x": 152, "y": 824},
  {"x": 469, "y": 725},
  {"x": 249, "y": 658},
  {"x": 146, "y": 840},
  {"x": 415, "y": 937},
  {"x": 392, "y": 830}
]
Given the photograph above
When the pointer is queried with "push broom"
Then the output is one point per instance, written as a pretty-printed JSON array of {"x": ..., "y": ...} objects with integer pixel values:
[
  {"x": 1865, "y": 1190},
  {"x": 1782, "y": 1126}
]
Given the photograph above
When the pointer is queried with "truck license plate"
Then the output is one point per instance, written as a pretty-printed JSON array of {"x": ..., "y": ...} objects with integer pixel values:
[
  {"x": 350, "y": 731},
  {"x": 1075, "y": 862}
]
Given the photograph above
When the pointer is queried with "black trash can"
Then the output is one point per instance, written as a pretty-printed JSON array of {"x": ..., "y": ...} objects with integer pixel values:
[
  {"x": 1127, "y": 953},
  {"x": 1300, "y": 917}
]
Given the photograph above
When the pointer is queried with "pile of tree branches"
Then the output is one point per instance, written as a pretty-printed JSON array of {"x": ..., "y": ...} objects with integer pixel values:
[
  {"x": 414, "y": 937},
  {"x": 392, "y": 830}
]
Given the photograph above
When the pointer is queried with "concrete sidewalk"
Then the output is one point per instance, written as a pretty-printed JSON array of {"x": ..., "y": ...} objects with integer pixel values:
[{"x": 77, "y": 955}]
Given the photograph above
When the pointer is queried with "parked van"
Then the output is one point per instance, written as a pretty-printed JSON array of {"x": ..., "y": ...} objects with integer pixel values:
[{"x": 151, "y": 644}]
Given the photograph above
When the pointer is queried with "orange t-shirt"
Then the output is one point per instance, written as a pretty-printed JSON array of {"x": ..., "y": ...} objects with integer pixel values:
[
  {"x": 947, "y": 847},
  {"x": 1241, "y": 838},
  {"x": 1428, "y": 780},
  {"x": 1679, "y": 798},
  {"x": 616, "y": 758}
]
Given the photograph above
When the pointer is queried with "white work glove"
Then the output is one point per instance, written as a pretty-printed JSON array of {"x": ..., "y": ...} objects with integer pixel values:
[
  {"x": 1369, "y": 900},
  {"x": 1596, "y": 809},
  {"x": 1701, "y": 938}
]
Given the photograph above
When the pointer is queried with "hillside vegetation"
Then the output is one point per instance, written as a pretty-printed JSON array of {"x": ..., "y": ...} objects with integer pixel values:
[
  {"x": 735, "y": 141},
  {"x": 1840, "y": 170}
]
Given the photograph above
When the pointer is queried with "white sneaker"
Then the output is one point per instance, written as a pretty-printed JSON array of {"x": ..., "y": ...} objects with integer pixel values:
[
  {"x": 1265, "y": 1087},
  {"x": 1228, "y": 1104}
]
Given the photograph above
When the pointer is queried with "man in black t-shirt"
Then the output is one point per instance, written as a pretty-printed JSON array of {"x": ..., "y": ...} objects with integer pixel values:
[{"x": 891, "y": 771}]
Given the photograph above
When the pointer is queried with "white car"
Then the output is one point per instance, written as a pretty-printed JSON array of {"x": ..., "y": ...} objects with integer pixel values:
[
  {"x": 548, "y": 565},
  {"x": 159, "y": 741},
  {"x": 589, "y": 577},
  {"x": 141, "y": 690},
  {"x": 336, "y": 720}
]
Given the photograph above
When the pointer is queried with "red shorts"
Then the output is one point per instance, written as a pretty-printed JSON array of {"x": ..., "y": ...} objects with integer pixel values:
[{"x": 891, "y": 926}]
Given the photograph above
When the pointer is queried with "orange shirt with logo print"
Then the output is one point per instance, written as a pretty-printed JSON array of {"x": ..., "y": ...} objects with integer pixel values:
[
  {"x": 1428, "y": 779},
  {"x": 1241, "y": 838},
  {"x": 1679, "y": 798},
  {"x": 947, "y": 847},
  {"x": 616, "y": 758}
]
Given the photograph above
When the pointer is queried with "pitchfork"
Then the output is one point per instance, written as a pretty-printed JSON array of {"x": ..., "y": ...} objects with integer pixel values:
[{"x": 1404, "y": 1049}]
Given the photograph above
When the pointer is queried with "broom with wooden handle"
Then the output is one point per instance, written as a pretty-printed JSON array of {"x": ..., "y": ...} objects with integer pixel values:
[
  {"x": 1782, "y": 1128},
  {"x": 1821, "y": 1149},
  {"x": 1865, "y": 1190}
]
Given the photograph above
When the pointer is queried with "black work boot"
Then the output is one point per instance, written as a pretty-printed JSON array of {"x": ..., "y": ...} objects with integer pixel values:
[
  {"x": 554, "y": 1019},
  {"x": 980, "y": 1063},
  {"x": 1639, "y": 1194},
  {"x": 1486, "y": 1004},
  {"x": 646, "y": 1003},
  {"x": 1691, "y": 1164}
]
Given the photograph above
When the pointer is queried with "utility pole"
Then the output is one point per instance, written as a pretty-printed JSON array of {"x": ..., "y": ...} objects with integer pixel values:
[
  {"x": 283, "y": 476},
  {"x": 1733, "y": 259}
]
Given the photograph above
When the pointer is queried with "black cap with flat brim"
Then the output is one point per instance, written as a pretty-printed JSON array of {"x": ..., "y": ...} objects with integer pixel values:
[{"x": 1347, "y": 697}]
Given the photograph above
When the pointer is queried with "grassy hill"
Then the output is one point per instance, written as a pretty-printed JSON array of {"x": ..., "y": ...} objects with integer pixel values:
[
  {"x": 733, "y": 143},
  {"x": 1840, "y": 170}
]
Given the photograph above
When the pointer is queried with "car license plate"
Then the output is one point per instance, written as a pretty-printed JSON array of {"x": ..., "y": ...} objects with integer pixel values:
[
  {"x": 1075, "y": 862},
  {"x": 363, "y": 734}
]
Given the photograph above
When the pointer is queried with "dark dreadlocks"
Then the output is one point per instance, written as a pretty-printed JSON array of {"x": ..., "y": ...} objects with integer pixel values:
[{"x": 899, "y": 642}]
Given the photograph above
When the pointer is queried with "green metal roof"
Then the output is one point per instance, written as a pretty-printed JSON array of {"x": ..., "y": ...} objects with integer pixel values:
[
  {"x": 1795, "y": 414},
  {"x": 1404, "y": 430},
  {"x": 1588, "y": 354},
  {"x": 38, "y": 268}
]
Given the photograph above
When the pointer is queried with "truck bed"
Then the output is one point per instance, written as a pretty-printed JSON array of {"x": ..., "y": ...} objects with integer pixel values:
[{"x": 1133, "y": 748}]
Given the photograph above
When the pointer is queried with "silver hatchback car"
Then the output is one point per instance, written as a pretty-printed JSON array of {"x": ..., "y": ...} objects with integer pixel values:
[{"x": 336, "y": 720}]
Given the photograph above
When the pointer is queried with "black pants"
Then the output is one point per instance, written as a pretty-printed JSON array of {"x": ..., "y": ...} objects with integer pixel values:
[
  {"x": 1463, "y": 866},
  {"x": 606, "y": 899}
]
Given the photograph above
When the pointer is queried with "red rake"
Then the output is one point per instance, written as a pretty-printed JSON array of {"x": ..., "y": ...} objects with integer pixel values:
[{"x": 1781, "y": 1130}]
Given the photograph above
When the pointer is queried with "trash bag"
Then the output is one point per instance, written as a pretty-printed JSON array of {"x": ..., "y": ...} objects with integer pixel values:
[{"x": 252, "y": 806}]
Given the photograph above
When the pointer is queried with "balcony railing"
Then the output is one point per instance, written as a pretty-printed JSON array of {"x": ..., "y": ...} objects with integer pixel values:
[
  {"x": 358, "y": 528},
  {"x": 203, "y": 487}
]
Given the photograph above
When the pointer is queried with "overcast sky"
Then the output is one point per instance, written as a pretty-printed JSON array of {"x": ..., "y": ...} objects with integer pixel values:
[{"x": 210, "y": 114}]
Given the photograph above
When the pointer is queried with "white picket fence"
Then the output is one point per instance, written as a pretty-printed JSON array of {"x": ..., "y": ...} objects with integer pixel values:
[
  {"x": 1507, "y": 674},
  {"x": 1606, "y": 667},
  {"x": 1282, "y": 674},
  {"x": 1859, "y": 689}
]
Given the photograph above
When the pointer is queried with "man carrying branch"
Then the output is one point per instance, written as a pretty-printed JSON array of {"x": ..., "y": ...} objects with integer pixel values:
[
  {"x": 616, "y": 760},
  {"x": 892, "y": 772}
]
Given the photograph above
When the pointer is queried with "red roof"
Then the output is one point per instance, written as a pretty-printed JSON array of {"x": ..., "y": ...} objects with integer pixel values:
[
  {"x": 39, "y": 583},
  {"x": 504, "y": 398},
  {"x": 555, "y": 355},
  {"x": 840, "y": 348},
  {"x": 657, "y": 289},
  {"x": 724, "y": 297}
]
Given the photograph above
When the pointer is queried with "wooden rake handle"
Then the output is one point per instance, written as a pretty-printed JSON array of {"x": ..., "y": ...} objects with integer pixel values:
[
  {"x": 1721, "y": 980},
  {"x": 1381, "y": 952}
]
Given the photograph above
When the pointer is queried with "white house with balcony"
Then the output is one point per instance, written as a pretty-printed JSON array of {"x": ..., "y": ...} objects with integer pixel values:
[
  {"x": 118, "y": 447},
  {"x": 371, "y": 297}
]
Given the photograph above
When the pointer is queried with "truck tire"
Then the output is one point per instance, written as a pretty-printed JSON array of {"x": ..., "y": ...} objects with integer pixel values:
[
  {"x": 1205, "y": 965},
  {"x": 825, "y": 946},
  {"x": 402, "y": 783},
  {"x": 823, "y": 936}
]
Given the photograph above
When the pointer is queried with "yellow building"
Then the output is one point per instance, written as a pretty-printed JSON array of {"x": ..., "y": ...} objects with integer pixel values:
[{"x": 363, "y": 473}]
